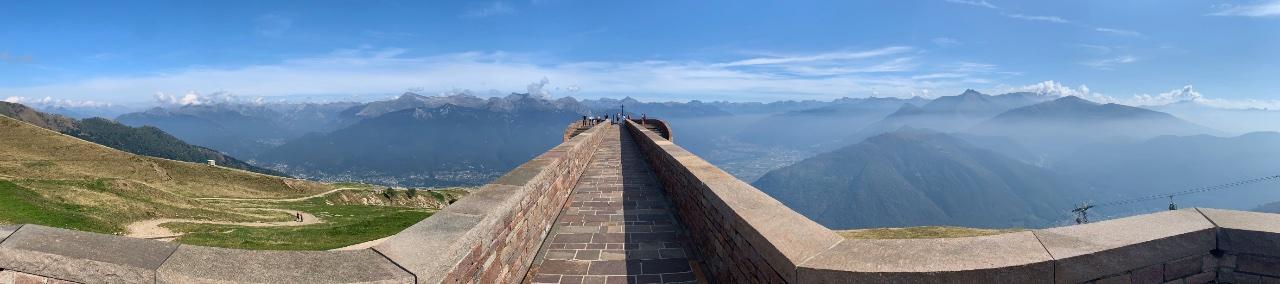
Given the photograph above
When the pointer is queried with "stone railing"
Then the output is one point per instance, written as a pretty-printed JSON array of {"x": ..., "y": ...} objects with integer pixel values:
[
  {"x": 661, "y": 125},
  {"x": 745, "y": 236},
  {"x": 489, "y": 237}
]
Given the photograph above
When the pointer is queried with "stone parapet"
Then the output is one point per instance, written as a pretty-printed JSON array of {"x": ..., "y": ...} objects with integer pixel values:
[
  {"x": 493, "y": 235},
  {"x": 746, "y": 236},
  {"x": 742, "y": 234}
]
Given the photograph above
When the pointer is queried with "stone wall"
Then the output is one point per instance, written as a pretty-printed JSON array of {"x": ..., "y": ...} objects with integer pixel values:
[
  {"x": 489, "y": 237},
  {"x": 492, "y": 235},
  {"x": 744, "y": 235}
]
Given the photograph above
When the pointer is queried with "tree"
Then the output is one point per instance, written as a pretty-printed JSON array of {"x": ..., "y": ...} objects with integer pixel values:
[
  {"x": 411, "y": 193},
  {"x": 389, "y": 193}
]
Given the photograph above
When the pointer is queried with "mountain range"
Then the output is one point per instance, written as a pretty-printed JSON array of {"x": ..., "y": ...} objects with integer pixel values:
[
  {"x": 1068, "y": 122},
  {"x": 428, "y": 146},
  {"x": 949, "y": 113}
]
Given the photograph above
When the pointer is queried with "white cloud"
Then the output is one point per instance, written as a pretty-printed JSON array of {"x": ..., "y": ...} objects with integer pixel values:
[
  {"x": 1052, "y": 19},
  {"x": 492, "y": 9},
  {"x": 1263, "y": 9},
  {"x": 1187, "y": 93},
  {"x": 52, "y": 102},
  {"x": 979, "y": 3},
  {"x": 195, "y": 98},
  {"x": 1118, "y": 32},
  {"x": 370, "y": 71},
  {"x": 539, "y": 88},
  {"x": 1107, "y": 64}
]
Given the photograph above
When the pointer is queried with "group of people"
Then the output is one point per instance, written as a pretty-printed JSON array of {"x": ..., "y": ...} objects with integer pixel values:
[{"x": 614, "y": 119}]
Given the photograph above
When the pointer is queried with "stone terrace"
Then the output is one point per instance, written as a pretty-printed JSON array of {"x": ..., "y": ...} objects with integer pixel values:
[{"x": 618, "y": 226}]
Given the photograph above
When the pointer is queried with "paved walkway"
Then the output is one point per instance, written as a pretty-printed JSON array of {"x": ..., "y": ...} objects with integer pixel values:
[{"x": 617, "y": 228}]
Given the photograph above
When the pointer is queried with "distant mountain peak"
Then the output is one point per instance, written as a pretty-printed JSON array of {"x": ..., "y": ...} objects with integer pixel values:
[
  {"x": 971, "y": 92},
  {"x": 410, "y": 96},
  {"x": 1073, "y": 100}
]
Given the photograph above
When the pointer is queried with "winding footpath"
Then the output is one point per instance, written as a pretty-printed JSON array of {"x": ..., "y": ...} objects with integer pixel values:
[{"x": 151, "y": 229}]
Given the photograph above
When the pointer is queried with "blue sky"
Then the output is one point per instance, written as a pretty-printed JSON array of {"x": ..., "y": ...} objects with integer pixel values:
[{"x": 1136, "y": 52}]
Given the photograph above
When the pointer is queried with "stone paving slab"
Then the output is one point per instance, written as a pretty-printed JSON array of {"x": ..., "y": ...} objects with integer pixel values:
[{"x": 618, "y": 226}]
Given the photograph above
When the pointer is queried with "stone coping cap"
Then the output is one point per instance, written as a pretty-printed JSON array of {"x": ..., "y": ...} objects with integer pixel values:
[
  {"x": 1243, "y": 220},
  {"x": 1005, "y": 258},
  {"x": 7, "y": 230},
  {"x": 1070, "y": 241},
  {"x": 1246, "y": 232},
  {"x": 1084, "y": 252},
  {"x": 926, "y": 255},
  {"x": 430, "y": 248},
  {"x": 196, "y": 264},
  {"x": 83, "y": 256}
]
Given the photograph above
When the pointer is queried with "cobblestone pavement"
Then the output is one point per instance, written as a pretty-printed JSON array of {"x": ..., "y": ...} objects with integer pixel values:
[{"x": 618, "y": 226}]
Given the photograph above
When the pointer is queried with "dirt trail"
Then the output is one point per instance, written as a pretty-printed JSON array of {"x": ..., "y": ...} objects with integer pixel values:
[{"x": 151, "y": 229}]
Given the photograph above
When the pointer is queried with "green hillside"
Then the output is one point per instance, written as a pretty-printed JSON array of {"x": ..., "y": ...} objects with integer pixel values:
[
  {"x": 56, "y": 180},
  {"x": 145, "y": 140}
]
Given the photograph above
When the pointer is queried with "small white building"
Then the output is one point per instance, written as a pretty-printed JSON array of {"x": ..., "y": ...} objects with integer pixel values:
[{"x": 213, "y": 163}]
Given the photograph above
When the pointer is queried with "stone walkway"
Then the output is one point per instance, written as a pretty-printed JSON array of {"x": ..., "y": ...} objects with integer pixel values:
[{"x": 617, "y": 228}]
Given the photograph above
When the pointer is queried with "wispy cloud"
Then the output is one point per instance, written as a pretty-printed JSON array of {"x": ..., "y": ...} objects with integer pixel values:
[
  {"x": 489, "y": 10},
  {"x": 1099, "y": 49},
  {"x": 6, "y": 57},
  {"x": 979, "y": 3},
  {"x": 888, "y": 71},
  {"x": 831, "y": 56},
  {"x": 1118, "y": 32},
  {"x": 273, "y": 25},
  {"x": 51, "y": 102},
  {"x": 1108, "y": 63},
  {"x": 1052, "y": 19},
  {"x": 1264, "y": 9},
  {"x": 945, "y": 41}
]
